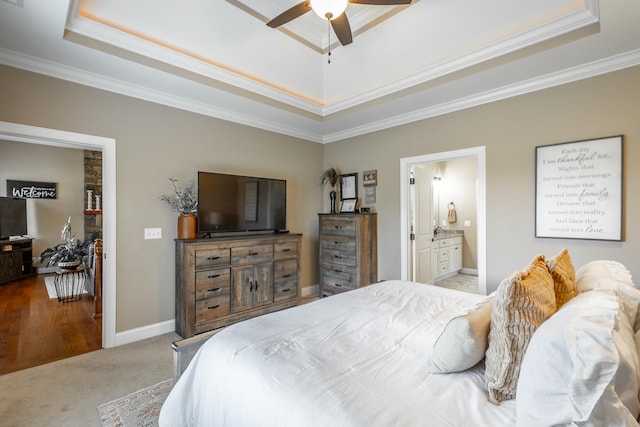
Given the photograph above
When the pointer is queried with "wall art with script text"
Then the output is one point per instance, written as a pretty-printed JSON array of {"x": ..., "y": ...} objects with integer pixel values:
[{"x": 579, "y": 189}]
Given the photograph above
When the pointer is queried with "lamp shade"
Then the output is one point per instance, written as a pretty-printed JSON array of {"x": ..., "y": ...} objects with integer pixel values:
[{"x": 329, "y": 9}]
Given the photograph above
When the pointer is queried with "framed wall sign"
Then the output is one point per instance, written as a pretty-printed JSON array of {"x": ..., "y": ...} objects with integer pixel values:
[
  {"x": 348, "y": 205},
  {"x": 349, "y": 186},
  {"x": 579, "y": 189},
  {"x": 32, "y": 189},
  {"x": 370, "y": 178}
]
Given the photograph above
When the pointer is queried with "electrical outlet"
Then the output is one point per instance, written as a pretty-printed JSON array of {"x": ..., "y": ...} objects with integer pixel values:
[
  {"x": 152, "y": 233},
  {"x": 467, "y": 223}
]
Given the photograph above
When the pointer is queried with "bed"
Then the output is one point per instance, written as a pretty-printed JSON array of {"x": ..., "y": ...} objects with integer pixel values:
[{"x": 382, "y": 356}]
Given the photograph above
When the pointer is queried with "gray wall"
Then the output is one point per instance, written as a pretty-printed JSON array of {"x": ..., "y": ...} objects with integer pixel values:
[
  {"x": 510, "y": 130},
  {"x": 155, "y": 142}
]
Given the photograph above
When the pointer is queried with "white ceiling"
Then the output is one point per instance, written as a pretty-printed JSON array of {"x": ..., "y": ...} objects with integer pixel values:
[{"x": 406, "y": 63}]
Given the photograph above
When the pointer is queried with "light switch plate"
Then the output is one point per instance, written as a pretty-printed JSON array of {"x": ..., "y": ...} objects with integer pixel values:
[
  {"x": 467, "y": 223},
  {"x": 152, "y": 233}
]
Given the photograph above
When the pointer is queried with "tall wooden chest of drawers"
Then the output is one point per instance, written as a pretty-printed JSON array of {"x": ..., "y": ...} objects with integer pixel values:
[
  {"x": 348, "y": 251},
  {"x": 220, "y": 281}
]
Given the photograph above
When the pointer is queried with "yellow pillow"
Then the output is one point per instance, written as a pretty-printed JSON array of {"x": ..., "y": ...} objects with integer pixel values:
[
  {"x": 564, "y": 277},
  {"x": 522, "y": 302}
]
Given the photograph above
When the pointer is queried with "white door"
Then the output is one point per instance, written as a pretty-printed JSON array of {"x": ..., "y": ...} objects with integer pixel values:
[{"x": 423, "y": 224}]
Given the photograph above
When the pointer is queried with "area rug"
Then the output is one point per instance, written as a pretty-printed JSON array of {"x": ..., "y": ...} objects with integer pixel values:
[
  {"x": 51, "y": 287},
  {"x": 141, "y": 408}
]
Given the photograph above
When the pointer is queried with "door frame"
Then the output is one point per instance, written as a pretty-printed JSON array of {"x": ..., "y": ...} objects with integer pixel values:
[
  {"x": 58, "y": 138},
  {"x": 405, "y": 164}
]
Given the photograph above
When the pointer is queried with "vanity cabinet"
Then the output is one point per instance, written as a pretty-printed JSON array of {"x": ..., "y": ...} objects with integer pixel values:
[
  {"x": 348, "y": 251},
  {"x": 220, "y": 281},
  {"x": 449, "y": 256}
]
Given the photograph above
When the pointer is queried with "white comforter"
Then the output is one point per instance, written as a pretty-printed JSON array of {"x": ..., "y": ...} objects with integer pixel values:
[{"x": 356, "y": 359}]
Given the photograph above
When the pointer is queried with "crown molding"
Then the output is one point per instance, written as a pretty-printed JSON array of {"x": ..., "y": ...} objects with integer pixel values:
[{"x": 585, "y": 71}]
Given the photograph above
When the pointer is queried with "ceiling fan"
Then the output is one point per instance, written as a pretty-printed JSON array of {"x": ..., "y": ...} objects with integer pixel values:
[{"x": 332, "y": 10}]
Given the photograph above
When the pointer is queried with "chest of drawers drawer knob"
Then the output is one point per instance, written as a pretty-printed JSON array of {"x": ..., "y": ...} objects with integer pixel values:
[
  {"x": 212, "y": 258},
  {"x": 212, "y": 276},
  {"x": 213, "y": 307},
  {"x": 213, "y": 290}
]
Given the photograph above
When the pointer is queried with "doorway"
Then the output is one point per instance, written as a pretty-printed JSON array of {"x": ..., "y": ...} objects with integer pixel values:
[
  {"x": 38, "y": 135},
  {"x": 410, "y": 215}
]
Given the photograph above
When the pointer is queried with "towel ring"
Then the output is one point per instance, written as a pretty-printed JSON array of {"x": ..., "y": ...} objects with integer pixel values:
[{"x": 451, "y": 205}]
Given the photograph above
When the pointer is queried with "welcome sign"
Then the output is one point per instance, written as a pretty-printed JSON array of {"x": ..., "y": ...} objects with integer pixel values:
[{"x": 32, "y": 189}]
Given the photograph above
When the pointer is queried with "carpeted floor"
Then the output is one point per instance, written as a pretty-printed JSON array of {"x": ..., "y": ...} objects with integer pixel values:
[{"x": 141, "y": 408}]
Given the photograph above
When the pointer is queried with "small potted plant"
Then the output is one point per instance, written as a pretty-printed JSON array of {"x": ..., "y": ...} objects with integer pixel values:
[
  {"x": 330, "y": 176},
  {"x": 68, "y": 255},
  {"x": 184, "y": 202}
]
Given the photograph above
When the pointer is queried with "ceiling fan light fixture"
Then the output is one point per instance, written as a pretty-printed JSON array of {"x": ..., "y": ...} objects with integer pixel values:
[{"x": 329, "y": 9}]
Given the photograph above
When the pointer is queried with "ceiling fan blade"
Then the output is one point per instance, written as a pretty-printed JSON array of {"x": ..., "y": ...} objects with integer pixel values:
[
  {"x": 381, "y": 2},
  {"x": 290, "y": 14},
  {"x": 342, "y": 29}
]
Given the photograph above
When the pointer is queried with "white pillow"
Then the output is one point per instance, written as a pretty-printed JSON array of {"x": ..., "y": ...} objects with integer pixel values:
[
  {"x": 463, "y": 341},
  {"x": 603, "y": 274},
  {"x": 581, "y": 367}
]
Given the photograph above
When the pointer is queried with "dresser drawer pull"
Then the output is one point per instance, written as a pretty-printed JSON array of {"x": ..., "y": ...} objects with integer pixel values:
[
  {"x": 213, "y": 307},
  {"x": 213, "y": 276},
  {"x": 213, "y": 258},
  {"x": 286, "y": 250},
  {"x": 286, "y": 290},
  {"x": 253, "y": 253},
  {"x": 338, "y": 256},
  {"x": 337, "y": 271},
  {"x": 337, "y": 226},
  {"x": 337, "y": 285},
  {"x": 214, "y": 290},
  {"x": 286, "y": 276}
]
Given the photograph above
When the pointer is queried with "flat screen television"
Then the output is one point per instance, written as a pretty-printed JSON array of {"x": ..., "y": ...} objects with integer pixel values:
[
  {"x": 13, "y": 217},
  {"x": 234, "y": 203}
]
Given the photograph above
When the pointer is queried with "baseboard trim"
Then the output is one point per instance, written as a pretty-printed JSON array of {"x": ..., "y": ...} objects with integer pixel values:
[
  {"x": 471, "y": 271},
  {"x": 144, "y": 332}
]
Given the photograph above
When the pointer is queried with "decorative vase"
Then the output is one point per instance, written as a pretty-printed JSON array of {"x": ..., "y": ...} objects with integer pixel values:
[
  {"x": 332, "y": 196},
  {"x": 187, "y": 226}
]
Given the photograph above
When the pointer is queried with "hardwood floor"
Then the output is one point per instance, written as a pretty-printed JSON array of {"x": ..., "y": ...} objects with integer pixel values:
[{"x": 35, "y": 329}]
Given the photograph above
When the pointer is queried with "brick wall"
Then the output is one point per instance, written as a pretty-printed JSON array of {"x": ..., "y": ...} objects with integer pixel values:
[{"x": 92, "y": 181}]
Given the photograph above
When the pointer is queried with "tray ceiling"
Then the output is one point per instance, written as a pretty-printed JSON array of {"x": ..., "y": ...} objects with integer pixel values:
[{"x": 405, "y": 63}]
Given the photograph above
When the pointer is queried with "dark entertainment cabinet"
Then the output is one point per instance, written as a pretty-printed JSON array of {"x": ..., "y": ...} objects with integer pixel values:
[
  {"x": 223, "y": 280},
  {"x": 15, "y": 259}
]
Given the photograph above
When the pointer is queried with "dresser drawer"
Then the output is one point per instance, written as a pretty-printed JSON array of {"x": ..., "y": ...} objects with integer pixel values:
[
  {"x": 340, "y": 257},
  {"x": 285, "y": 289},
  {"x": 335, "y": 288},
  {"x": 339, "y": 226},
  {"x": 213, "y": 283},
  {"x": 213, "y": 307},
  {"x": 343, "y": 276},
  {"x": 211, "y": 258},
  {"x": 251, "y": 254},
  {"x": 285, "y": 270},
  {"x": 285, "y": 250},
  {"x": 339, "y": 243}
]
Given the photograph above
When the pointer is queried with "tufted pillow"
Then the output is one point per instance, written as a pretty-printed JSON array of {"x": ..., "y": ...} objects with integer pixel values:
[
  {"x": 522, "y": 302},
  {"x": 582, "y": 366},
  {"x": 463, "y": 341},
  {"x": 564, "y": 277}
]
